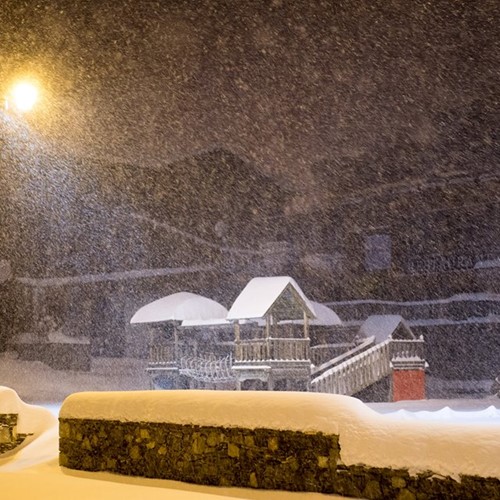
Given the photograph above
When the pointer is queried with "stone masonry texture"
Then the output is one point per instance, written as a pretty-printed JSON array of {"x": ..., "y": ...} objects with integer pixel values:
[{"x": 251, "y": 458}]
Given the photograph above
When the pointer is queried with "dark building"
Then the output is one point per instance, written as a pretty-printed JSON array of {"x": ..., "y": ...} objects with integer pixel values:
[
  {"x": 411, "y": 220},
  {"x": 427, "y": 237},
  {"x": 415, "y": 231}
]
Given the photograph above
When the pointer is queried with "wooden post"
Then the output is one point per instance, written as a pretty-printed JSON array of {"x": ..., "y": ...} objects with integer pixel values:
[
  {"x": 268, "y": 325},
  {"x": 237, "y": 342},
  {"x": 176, "y": 344},
  {"x": 237, "y": 336}
]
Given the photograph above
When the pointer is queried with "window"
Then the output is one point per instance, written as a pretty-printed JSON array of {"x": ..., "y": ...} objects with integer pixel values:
[{"x": 378, "y": 252}]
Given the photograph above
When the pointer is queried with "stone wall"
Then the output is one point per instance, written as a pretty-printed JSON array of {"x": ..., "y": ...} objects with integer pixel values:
[
  {"x": 257, "y": 458},
  {"x": 9, "y": 437},
  {"x": 252, "y": 458},
  {"x": 8, "y": 427}
]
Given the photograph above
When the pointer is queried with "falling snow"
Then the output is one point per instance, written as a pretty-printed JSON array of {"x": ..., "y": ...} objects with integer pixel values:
[{"x": 193, "y": 146}]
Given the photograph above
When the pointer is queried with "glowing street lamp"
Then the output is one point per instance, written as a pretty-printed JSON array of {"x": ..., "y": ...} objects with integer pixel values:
[{"x": 23, "y": 96}]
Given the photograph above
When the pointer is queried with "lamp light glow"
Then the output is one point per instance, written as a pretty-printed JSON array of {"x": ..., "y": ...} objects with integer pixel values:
[{"x": 24, "y": 96}]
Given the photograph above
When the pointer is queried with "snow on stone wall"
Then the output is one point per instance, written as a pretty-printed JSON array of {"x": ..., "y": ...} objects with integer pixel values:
[{"x": 365, "y": 436}]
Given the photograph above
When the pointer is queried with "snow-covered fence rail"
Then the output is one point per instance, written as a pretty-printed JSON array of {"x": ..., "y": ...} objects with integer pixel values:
[{"x": 272, "y": 349}]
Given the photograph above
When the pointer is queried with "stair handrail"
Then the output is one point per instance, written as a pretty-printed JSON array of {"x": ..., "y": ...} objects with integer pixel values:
[
  {"x": 341, "y": 358},
  {"x": 356, "y": 373}
]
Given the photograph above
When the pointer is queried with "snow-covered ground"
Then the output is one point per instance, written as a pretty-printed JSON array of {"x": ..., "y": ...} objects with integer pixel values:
[
  {"x": 33, "y": 472},
  {"x": 35, "y": 382}
]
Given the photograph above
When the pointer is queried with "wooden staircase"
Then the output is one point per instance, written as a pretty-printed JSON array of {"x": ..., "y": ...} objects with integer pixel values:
[{"x": 358, "y": 372}]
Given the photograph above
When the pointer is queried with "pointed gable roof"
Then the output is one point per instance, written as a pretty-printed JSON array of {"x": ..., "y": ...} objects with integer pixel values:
[
  {"x": 383, "y": 326},
  {"x": 324, "y": 316},
  {"x": 261, "y": 294}
]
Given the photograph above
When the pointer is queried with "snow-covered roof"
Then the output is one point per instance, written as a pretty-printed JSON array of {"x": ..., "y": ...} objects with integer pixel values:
[
  {"x": 178, "y": 307},
  {"x": 205, "y": 322},
  {"x": 261, "y": 293},
  {"x": 113, "y": 276},
  {"x": 324, "y": 316},
  {"x": 487, "y": 264},
  {"x": 381, "y": 326}
]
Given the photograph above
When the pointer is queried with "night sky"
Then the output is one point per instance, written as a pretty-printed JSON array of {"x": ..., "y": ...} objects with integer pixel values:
[{"x": 283, "y": 84}]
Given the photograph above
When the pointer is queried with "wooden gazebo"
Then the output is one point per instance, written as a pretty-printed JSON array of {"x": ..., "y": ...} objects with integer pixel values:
[
  {"x": 168, "y": 350},
  {"x": 271, "y": 328}
]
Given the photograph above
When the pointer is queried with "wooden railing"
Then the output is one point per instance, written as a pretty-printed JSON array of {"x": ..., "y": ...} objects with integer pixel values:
[
  {"x": 273, "y": 349},
  {"x": 346, "y": 376},
  {"x": 356, "y": 373},
  {"x": 407, "y": 348},
  {"x": 366, "y": 368},
  {"x": 163, "y": 354},
  {"x": 363, "y": 346}
]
